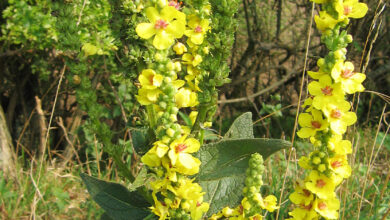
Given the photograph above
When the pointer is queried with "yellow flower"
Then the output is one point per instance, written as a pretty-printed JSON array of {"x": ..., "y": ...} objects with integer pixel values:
[
  {"x": 350, "y": 8},
  {"x": 339, "y": 146},
  {"x": 179, "y": 48},
  {"x": 180, "y": 156},
  {"x": 193, "y": 115},
  {"x": 165, "y": 26},
  {"x": 327, "y": 208},
  {"x": 339, "y": 165},
  {"x": 198, "y": 209},
  {"x": 320, "y": 185},
  {"x": 339, "y": 116},
  {"x": 301, "y": 196},
  {"x": 325, "y": 21},
  {"x": 149, "y": 79},
  {"x": 351, "y": 81},
  {"x": 311, "y": 123},
  {"x": 324, "y": 92},
  {"x": 153, "y": 157},
  {"x": 192, "y": 82},
  {"x": 160, "y": 208},
  {"x": 198, "y": 29},
  {"x": 304, "y": 213},
  {"x": 316, "y": 75},
  {"x": 148, "y": 96},
  {"x": 186, "y": 98},
  {"x": 190, "y": 59},
  {"x": 269, "y": 203}
]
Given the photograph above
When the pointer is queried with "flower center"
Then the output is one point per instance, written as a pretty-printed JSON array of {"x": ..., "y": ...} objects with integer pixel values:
[
  {"x": 307, "y": 207},
  {"x": 335, "y": 113},
  {"x": 316, "y": 124},
  {"x": 175, "y": 4},
  {"x": 306, "y": 192},
  {"x": 336, "y": 164},
  {"x": 322, "y": 205},
  {"x": 151, "y": 77},
  {"x": 197, "y": 204},
  {"x": 327, "y": 91},
  {"x": 320, "y": 183},
  {"x": 180, "y": 148},
  {"x": 347, "y": 73},
  {"x": 198, "y": 29},
  {"x": 347, "y": 9},
  {"x": 160, "y": 24}
]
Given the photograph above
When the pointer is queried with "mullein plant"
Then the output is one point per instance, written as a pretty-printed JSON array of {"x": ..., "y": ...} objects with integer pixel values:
[
  {"x": 175, "y": 79},
  {"x": 176, "y": 35},
  {"x": 328, "y": 114}
]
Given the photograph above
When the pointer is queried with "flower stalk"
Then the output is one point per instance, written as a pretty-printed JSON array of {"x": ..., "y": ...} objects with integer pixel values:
[{"x": 327, "y": 115}]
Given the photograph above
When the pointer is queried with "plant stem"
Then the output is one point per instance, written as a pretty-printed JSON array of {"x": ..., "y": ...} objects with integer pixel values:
[
  {"x": 151, "y": 115},
  {"x": 199, "y": 120}
]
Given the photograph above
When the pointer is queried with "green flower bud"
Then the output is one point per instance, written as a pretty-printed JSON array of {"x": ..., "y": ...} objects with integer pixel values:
[
  {"x": 170, "y": 132},
  {"x": 321, "y": 168},
  {"x": 316, "y": 160},
  {"x": 173, "y": 117},
  {"x": 163, "y": 105},
  {"x": 348, "y": 38}
]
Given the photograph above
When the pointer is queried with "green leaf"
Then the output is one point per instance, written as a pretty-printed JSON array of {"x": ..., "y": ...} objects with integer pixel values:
[
  {"x": 242, "y": 127},
  {"x": 141, "y": 179},
  {"x": 222, "y": 172},
  {"x": 105, "y": 217},
  {"x": 186, "y": 119},
  {"x": 118, "y": 202},
  {"x": 140, "y": 139}
]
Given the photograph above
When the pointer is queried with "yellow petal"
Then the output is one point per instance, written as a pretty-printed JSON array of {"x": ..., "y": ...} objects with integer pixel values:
[
  {"x": 152, "y": 14},
  {"x": 197, "y": 38},
  {"x": 176, "y": 28},
  {"x": 145, "y": 30},
  {"x": 358, "y": 11},
  {"x": 163, "y": 41}
]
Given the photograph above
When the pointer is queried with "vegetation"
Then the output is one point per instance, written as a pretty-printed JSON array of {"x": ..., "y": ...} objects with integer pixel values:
[{"x": 73, "y": 109}]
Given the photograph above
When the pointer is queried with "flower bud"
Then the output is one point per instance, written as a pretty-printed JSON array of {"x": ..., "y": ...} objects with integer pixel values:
[
  {"x": 177, "y": 66},
  {"x": 170, "y": 132},
  {"x": 179, "y": 48},
  {"x": 162, "y": 3},
  {"x": 158, "y": 57},
  {"x": 348, "y": 38},
  {"x": 316, "y": 160},
  {"x": 173, "y": 117},
  {"x": 321, "y": 168},
  {"x": 170, "y": 66}
]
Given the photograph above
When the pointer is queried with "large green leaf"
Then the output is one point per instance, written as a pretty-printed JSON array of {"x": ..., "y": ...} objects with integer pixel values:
[
  {"x": 222, "y": 172},
  {"x": 118, "y": 202},
  {"x": 241, "y": 128}
]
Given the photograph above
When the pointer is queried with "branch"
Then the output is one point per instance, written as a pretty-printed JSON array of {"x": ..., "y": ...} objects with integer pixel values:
[{"x": 269, "y": 88}]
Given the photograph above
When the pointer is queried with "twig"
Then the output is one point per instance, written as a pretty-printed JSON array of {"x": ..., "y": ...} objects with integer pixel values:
[
  {"x": 42, "y": 125},
  {"x": 60, "y": 123},
  {"x": 269, "y": 88},
  {"x": 298, "y": 107}
]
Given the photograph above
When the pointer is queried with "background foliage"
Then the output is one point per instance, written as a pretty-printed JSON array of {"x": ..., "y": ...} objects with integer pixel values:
[{"x": 93, "y": 48}]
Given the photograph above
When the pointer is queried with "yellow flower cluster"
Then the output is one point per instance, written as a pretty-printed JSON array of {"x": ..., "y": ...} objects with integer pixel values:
[
  {"x": 168, "y": 84},
  {"x": 328, "y": 115}
]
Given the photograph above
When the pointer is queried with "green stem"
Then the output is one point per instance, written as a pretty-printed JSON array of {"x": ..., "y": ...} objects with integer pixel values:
[
  {"x": 152, "y": 116},
  {"x": 202, "y": 112}
]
